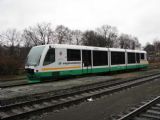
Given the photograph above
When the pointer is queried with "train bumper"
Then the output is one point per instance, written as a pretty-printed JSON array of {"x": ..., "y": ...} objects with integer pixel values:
[{"x": 31, "y": 76}]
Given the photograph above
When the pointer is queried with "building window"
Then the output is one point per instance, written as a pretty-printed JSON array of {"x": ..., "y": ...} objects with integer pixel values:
[
  {"x": 117, "y": 58},
  {"x": 100, "y": 58},
  {"x": 73, "y": 55},
  {"x": 131, "y": 57},
  {"x": 50, "y": 57}
]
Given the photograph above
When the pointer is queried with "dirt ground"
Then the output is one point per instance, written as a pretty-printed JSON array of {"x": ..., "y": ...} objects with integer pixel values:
[
  {"x": 154, "y": 65},
  {"x": 12, "y": 77}
]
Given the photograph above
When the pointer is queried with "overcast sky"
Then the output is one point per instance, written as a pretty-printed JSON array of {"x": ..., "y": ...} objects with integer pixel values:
[{"x": 140, "y": 18}]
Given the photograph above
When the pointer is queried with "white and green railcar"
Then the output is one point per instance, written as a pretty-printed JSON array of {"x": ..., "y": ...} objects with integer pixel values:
[{"x": 58, "y": 60}]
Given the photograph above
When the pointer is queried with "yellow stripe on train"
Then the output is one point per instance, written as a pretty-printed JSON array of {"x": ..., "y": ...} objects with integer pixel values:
[{"x": 61, "y": 68}]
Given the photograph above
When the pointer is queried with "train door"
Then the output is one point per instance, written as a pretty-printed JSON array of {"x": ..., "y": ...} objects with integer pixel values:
[
  {"x": 86, "y": 61},
  {"x": 138, "y": 59}
]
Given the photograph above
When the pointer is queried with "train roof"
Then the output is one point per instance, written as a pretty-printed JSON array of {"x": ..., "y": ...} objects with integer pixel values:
[{"x": 91, "y": 48}]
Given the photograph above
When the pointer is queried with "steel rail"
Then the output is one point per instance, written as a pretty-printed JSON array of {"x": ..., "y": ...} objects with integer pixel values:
[
  {"x": 30, "y": 107},
  {"x": 142, "y": 109}
]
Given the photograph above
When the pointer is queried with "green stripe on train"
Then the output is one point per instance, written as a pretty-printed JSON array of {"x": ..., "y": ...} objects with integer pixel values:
[
  {"x": 117, "y": 68},
  {"x": 37, "y": 76}
]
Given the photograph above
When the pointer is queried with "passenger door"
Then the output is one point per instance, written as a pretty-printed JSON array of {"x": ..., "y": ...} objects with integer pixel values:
[
  {"x": 86, "y": 61},
  {"x": 138, "y": 59}
]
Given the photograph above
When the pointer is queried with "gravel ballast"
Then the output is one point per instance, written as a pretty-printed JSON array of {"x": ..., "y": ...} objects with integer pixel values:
[{"x": 107, "y": 107}]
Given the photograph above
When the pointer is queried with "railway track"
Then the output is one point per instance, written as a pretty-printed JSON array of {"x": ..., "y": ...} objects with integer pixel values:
[
  {"x": 23, "y": 109},
  {"x": 9, "y": 83},
  {"x": 148, "y": 111}
]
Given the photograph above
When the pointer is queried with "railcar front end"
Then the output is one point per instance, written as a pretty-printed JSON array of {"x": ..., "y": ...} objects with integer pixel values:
[
  {"x": 38, "y": 57},
  {"x": 50, "y": 61}
]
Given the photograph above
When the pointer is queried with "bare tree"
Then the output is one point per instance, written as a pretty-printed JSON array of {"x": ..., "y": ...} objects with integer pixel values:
[
  {"x": 45, "y": 33},
  {"x": 150, "y": 49},
  {"x": 63, "y": 34},
  {"x": 156, "y": 44},
  {"x": 77, "y": 37},
  {"x": 153, "y": 51},
  {"x": 124, "y": 41},
  {"x": 10, "y": 37},
  {"x": 91, "y": 38},
  {"x": 1, "y": 42},
  {"x": 109, "y": 33},
  {"x": 128, "y": 42},
  {"x": 116, "y": 43},
  {"x": 135, "y": 43},
  {"x": 26, "y": 37},
  {"x": 38, "y": 35}
]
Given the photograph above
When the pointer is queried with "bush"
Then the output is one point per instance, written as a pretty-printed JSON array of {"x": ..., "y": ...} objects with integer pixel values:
[{"x": 9, "y": 65}]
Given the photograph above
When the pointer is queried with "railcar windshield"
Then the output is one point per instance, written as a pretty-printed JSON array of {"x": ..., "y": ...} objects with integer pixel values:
[{"x": 34, "y": 56}]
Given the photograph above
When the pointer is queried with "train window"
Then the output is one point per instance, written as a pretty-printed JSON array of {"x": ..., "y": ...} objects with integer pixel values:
[
  {"x": 131, "y": 58},
  {"x": 50, "y": 57},
  {"x": 34, "y": 56},
  {"x": 117, "y": 58},
  {"x": 73, "y": 55},
  {"x": 138, "y": 57},
  {"x": 142, "y": 56},
  {"x": 100, "y": 58}
]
